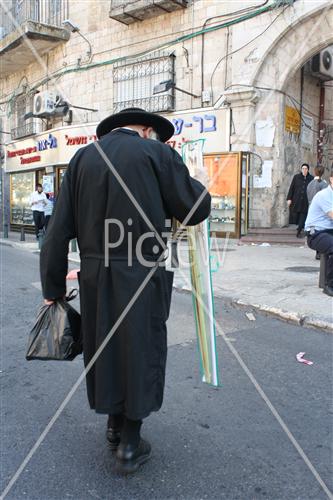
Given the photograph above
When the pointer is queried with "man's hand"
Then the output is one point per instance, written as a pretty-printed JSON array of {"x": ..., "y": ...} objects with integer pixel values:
[
  {"x": 48, "y": 302},
  {"x": 289, "y": 202},
  {"x": 72, "y": 275}
]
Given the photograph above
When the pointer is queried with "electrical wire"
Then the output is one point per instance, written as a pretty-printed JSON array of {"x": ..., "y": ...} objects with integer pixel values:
[
  {"x": 120, "y": 47},
  {"x": 295, "y": 101},
  {"x": 229, "y": 15},
  {"x": 159, "y": 47},
  {"x": 240, "y": 48},
  {"x": 274, "y": 90}
]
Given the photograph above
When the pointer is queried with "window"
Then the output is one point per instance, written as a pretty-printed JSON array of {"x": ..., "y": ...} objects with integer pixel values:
[
  {"x": 55, "y": 13},
  {"x": 133, "y": 83},
  {"x": 22, "y": 187},
  {"x": 20, "y": 126}
]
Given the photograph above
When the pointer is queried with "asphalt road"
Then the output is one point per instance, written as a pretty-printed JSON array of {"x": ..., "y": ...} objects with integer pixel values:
[{"x": 207, "y": 443}]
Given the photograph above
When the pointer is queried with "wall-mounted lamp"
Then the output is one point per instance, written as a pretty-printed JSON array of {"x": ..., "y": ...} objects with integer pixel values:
[
  {"x": 167, "y": 85},
  {"x": 74, "y": 28},
  {"x": 69, "y": 25}
]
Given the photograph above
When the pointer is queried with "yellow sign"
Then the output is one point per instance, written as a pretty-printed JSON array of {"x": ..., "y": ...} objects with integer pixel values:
[{"x": 292, "y": 120}]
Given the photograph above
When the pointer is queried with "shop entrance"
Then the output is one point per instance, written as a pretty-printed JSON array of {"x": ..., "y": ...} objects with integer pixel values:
[{"x": 22, "y": 185}]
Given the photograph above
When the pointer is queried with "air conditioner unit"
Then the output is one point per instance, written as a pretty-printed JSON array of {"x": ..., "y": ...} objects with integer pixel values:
[
  {"x": 322, "y": 64},
  {"x": 45, "y": 103}
]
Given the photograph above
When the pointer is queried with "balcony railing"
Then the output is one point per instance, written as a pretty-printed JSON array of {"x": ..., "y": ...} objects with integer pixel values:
[
  {"x": 50, "y": 12},
  {"x": 25, "y": 130}
]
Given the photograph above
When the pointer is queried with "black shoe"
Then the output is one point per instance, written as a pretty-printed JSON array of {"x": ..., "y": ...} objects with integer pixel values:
[
  {"x": 129, "y": 459},
  {"x": 328, "y": 290},
  {"x": 300, "y": 234},
  {"x": 113, "y": 437},
  {"x": 317, "y": 255}
]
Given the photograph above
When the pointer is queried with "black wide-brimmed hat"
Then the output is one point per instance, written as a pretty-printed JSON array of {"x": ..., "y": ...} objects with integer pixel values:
[{"x": 136, "y": 116}]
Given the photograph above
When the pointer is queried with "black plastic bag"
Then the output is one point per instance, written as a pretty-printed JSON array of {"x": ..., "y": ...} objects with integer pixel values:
[{"x": 56, "y": 334}]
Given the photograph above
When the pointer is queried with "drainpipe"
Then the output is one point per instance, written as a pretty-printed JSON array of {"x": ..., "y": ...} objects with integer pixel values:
[
  {"x": 321, "y": 127},
  {"x": 302, "y": 91}
]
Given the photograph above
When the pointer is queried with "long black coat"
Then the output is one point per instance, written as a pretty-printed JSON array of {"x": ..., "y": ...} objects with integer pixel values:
[
  {"x": 298, "y": 196},
  {"x": 128, "y": 377}
]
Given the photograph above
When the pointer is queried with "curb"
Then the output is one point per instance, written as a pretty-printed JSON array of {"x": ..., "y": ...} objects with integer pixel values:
[
  {"x": 14, "y": 244},
  {"x": 292, "y": 317},
  {"x": 23, "y": 246}
]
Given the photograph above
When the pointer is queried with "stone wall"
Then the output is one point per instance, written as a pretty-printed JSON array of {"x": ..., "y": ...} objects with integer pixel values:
[{"x": 264, "y": 51}]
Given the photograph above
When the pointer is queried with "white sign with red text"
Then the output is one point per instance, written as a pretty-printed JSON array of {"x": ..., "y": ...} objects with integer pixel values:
[
  {"x": 57, "y": 146},
  {"x": 54, "y": 147}
]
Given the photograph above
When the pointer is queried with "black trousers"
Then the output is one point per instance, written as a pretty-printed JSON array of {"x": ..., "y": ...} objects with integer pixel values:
[
  {"x": 129, "y": 429},
  {"x": 322, "y": 241},
  {"x": 301, "y": 221},
  {"x": 39, "y": 220},
  {"x": 47, "y": 218}
]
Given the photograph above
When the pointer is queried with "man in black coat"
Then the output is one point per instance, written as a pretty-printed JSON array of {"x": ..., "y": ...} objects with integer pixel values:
[
  {"x": 297, "y": 198},
  {"x": 117, "y": 198}
]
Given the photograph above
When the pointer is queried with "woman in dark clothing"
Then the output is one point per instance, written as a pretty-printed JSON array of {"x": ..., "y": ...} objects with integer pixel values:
[{"x": 297, "y": 198}]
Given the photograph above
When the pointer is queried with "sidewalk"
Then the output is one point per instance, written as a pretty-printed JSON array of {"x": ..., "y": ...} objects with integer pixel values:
[{"x": 279, "y": 280}]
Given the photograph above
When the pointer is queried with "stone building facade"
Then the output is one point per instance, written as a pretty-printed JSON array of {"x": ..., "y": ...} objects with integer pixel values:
[{"x": 248, "y": 60}]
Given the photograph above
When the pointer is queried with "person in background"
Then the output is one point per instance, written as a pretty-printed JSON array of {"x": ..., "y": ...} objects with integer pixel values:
[
  {"x": 319, "y": 229},
  {"x": 48, "y": 210},
  {"x": 297, "y": 198},
  {"x": 38, "y": 202},
  {"x": 316, "y": 185}
]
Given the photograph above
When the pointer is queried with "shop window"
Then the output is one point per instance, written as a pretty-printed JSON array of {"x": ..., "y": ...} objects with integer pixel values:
[
  {"x": 39, "y": 176},
  {"x": 133, "y": 83},
  {"x": 22, "y": 186},
  {"x": 225, "y": 183},
  {"x": 61, "y": 173}
]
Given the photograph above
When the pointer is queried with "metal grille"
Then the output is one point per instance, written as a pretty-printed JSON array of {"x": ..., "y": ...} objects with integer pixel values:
[
  {"x": 25, "y": 130},
  {"x": 21, "y": 108},
  {"x": 20, "y": 126},
  {"x": 51, "y": 12},
  {"x": 133, "y": 83}
]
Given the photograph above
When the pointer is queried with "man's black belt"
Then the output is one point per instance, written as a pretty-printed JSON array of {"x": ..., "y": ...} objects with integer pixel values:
[{"x": 315, "y": 232}]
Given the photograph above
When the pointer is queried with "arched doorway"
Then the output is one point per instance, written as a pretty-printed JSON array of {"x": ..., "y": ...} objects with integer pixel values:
[{"x": 281, "y": 81}]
